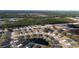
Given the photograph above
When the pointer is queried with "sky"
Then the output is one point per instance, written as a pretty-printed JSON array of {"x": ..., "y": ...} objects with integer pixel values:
[{"x": 39, "y": 4}]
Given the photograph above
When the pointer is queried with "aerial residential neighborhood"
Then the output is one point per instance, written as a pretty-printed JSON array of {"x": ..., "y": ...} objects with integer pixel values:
[{"x": 39, "y": 29}]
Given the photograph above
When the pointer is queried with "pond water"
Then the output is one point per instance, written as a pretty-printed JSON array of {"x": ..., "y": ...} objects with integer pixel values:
[{"x": 29, "y": 42}]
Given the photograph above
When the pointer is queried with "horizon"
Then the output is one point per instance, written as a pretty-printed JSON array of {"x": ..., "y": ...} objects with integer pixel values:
[{"x": 37, "y": 10}]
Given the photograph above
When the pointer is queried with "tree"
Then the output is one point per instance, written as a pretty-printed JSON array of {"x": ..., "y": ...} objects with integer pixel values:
[{"x": 6, "y": 23}]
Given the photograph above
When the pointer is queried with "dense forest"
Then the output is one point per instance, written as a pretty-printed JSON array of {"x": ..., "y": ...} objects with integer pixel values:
[{"x": 36, "y": 21}]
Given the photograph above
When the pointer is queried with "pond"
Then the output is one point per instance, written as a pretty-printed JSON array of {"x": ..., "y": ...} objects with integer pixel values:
[{"x": 31, "y": 42}]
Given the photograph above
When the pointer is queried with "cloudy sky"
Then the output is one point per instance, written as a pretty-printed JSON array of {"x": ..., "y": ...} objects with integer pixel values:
[{"x": 39, "y": 4}]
